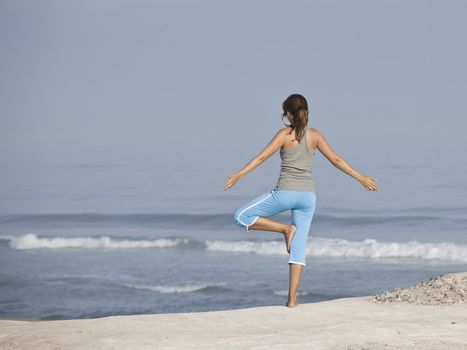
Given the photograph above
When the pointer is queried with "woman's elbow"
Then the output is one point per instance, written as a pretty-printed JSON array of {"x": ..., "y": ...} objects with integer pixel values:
[{"x": 337, "y": 161}]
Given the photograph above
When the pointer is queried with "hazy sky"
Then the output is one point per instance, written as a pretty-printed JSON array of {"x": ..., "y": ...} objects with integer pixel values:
[{"x": 110, "y": 81}]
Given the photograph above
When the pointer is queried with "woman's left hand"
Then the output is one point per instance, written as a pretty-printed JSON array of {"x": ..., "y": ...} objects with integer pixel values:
[
  {"x": 232, "y": 180},
  {"x": 368, "y": 183}
]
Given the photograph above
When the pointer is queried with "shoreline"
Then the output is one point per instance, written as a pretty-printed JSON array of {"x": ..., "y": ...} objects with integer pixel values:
[{"x": 347, "y": 323}]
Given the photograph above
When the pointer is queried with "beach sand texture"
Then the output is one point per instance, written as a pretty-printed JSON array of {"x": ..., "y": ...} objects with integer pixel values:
[{"x": 370, "y": 322}]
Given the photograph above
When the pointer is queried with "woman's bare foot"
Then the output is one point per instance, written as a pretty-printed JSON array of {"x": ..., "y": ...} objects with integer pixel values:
[
  {"x": 291, "y": 303},
  {"x": 289, "y": 233}
]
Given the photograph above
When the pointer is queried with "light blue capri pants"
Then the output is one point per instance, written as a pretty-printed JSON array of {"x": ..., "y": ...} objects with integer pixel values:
[{"x": 302, "y": 204}]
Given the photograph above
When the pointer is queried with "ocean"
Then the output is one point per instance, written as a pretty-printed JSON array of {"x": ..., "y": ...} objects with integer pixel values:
[{"x": 84, "y": 240}]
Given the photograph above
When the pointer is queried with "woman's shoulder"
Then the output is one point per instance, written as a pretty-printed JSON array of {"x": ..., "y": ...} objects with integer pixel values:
[
  {"x": 315, "y": 132},
  {"x": 314, "y": 129},
  {"x": 284, "y": 131}
]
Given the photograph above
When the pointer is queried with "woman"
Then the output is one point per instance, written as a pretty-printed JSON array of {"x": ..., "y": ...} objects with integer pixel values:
[{"x": 295, "y": 187}]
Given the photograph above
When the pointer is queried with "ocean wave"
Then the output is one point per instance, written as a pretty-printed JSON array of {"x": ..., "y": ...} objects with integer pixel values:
[
  {"x": 32, "y": 241},
  {"x": 261, "y": 247},
  {"x": 371, "y": 248},
  {"x": 284, "y": 293},
  {"x": 190, "y": 288},
  {"x": 316, "y": 247},
  {"x": 341, "y": 248}
]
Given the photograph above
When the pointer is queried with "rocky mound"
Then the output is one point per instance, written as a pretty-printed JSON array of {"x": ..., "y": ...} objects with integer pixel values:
[{"x": 443, "y": 289}]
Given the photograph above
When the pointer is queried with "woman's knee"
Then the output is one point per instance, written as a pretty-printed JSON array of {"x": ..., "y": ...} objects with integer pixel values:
[
  {"x": 247, "y": 214},
  {"x": 242, "y": 219}
]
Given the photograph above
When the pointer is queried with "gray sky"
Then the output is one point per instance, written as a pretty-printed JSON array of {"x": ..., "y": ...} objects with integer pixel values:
[{"x": 111, "y": 81}]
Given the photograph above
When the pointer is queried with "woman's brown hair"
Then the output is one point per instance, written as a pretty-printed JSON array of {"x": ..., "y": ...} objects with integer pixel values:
[{"x": 296, "y": 104}]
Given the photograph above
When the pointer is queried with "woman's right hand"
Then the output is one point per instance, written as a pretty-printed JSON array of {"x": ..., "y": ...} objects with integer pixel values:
[
  {"x": 232, "y": 180},
  {"x": 367, "y": 182}
]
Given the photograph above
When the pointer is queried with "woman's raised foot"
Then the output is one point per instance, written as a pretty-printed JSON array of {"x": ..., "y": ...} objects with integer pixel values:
[{"x": 289, "y": 233}]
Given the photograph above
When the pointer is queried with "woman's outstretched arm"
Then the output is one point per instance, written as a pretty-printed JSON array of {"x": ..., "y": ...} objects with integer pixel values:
[
  {"x": 341, "y": 164},
  {"x": 272, "y": 147}
]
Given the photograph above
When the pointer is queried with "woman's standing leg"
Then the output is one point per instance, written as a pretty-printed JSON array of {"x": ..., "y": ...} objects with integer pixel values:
[
  {"x": 294, "y": 280},
  {"x": 252, "y": 215},
  {"x": 302, "y": 218}
]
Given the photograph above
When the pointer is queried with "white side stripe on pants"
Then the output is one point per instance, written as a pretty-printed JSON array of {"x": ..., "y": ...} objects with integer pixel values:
[{"x": 238, "y": 217}]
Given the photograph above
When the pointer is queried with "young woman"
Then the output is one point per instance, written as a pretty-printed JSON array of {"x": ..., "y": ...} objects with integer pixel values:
[{"x": 295, "y": 187}]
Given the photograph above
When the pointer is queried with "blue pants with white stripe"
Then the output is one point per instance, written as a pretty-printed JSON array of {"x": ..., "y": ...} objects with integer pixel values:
[{"x": 302, "y": 204}]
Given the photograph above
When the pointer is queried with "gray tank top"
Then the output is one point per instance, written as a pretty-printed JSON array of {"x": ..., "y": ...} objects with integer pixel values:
[{"x": 296, "y": 167}]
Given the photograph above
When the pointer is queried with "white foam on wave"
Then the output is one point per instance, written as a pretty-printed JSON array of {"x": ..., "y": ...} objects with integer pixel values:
[
  {"x": 31, "y": 241},
  {"x": 265, "y": 247},
  {"x": 284, "y": 293},
  {"x": 169, "y": 289},
  {"x": 317, "y": 246},
  {"x": 342, "y": 248}
]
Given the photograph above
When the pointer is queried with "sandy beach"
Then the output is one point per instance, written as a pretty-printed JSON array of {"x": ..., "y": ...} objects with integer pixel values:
[{"x": 423, "y": 316}]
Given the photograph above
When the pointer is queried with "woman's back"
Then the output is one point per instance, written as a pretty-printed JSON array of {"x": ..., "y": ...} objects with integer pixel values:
[{"x": 296, "y": 164}]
